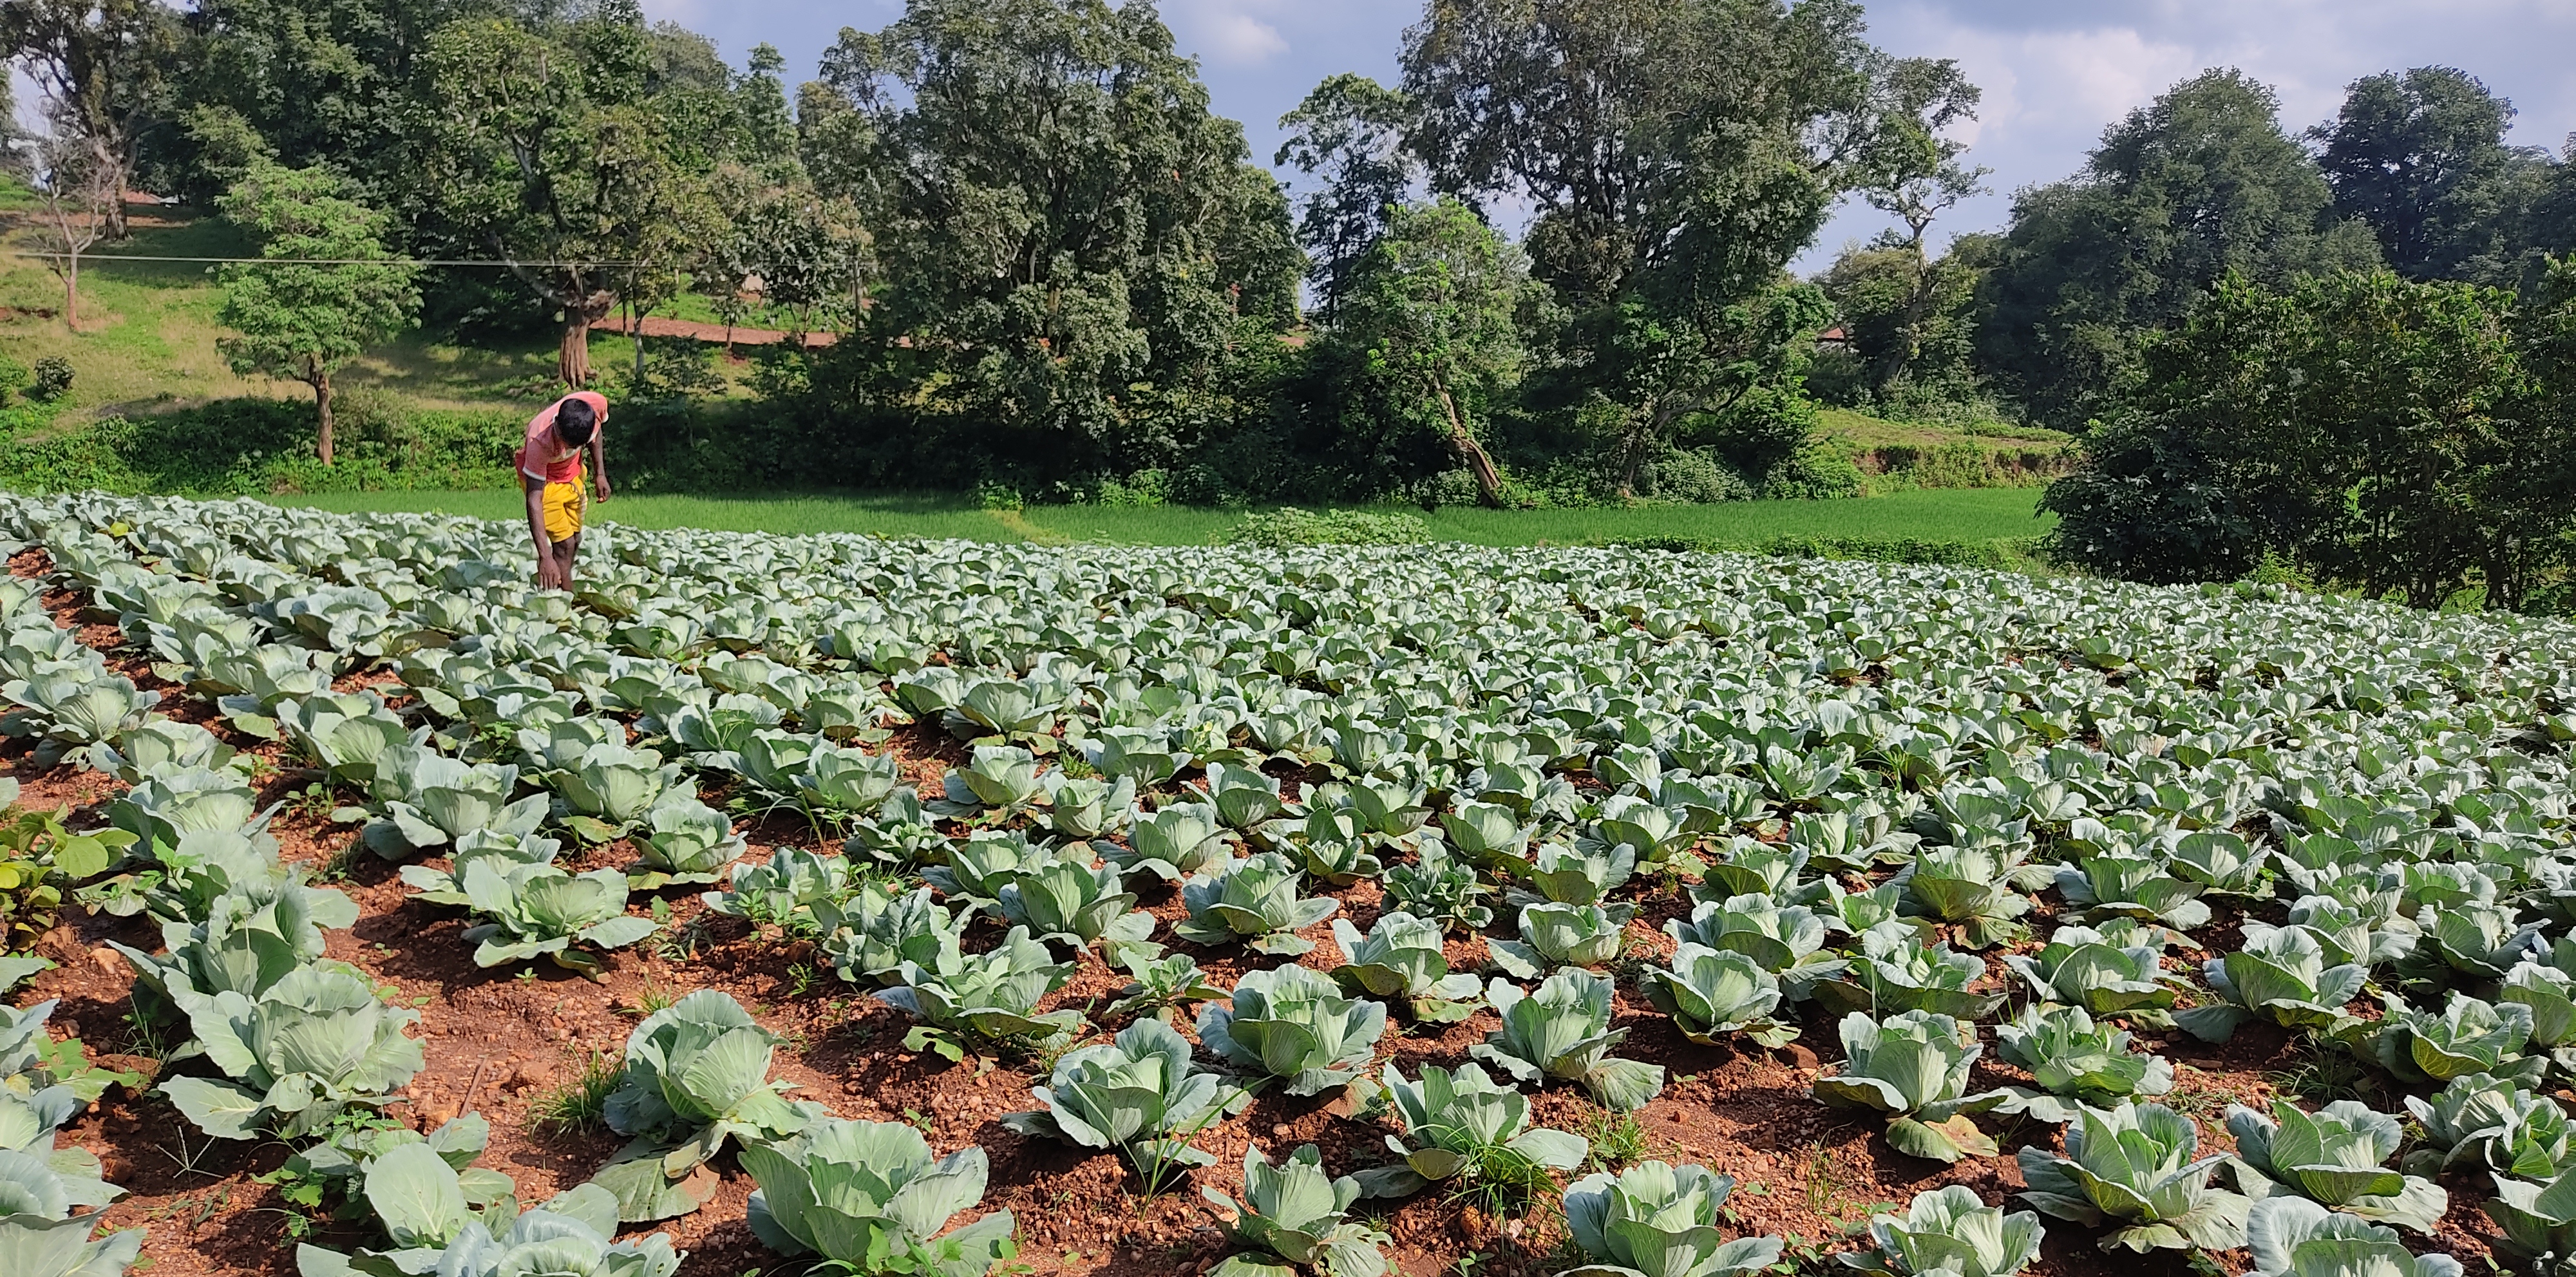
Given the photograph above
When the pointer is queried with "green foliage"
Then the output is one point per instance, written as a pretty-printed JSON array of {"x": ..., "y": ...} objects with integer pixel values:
[
  {"x": 40, "y": 858},
  {"x": 42, "y": 1235},
  {"x": 1655, "y": 1217},
  {"x": 2136, "y": 1167},
  {"x": 54, "y": 375},
  {"x": 1914, "y": 1069},
  {"x": 869, "y": 1197},
  {"x": 1561, "y": 1031},
  {"x": 697, "y": 1075},
  {"x": 1460, "y": 1126},
  {"x": 2336, "y": 1157},
  {"x": 1288, "y": 526},
  {"x": 301, "y": 321},
  {"x": 310, "y": 1047},
  {"x": 1291, "y": 1022},
  {"x": 1951, "y": 1230},
  {"x": 2200, "y": 183},
  {"x": 1295, "y": 1216},
  {"x": 1138, "y": 1094}
]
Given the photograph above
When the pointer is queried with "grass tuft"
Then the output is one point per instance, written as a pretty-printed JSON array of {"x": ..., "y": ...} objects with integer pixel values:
[{"x": 580, "y": 1105}]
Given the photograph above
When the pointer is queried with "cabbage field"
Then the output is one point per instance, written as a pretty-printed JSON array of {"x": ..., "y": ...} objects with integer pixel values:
[{"x": 864, "y": 906}]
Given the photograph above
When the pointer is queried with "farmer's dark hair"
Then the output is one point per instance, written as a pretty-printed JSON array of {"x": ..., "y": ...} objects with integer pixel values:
[{"x": 575, "y": 421}]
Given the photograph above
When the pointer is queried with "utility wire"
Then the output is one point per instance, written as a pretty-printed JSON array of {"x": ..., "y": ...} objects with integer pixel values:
[{"x": 328, "y": 261}]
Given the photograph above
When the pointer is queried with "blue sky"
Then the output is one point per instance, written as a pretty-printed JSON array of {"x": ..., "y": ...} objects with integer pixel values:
[{"x": 2054, "y": 71}]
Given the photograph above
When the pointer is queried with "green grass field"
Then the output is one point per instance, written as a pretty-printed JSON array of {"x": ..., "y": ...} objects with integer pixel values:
[{"x": 1965, "y": 514}]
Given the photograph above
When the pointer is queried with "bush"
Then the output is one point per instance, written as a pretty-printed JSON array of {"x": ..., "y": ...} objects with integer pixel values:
[
  {"x": 1695, "y": 478},
  {"x": 1818, "y": 471},
  {"x": 14, "y": 377},
  {"x": 53, "y": 379},
  {"x": 1290, "y": 526}
]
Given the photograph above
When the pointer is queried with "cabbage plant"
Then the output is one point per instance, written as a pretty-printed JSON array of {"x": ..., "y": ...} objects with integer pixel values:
[
  {"x": 876, "y": 932},
  {"x": 1564, "y": 875},
  {"x": 1071, "y": 903},
  {"x": 696, "y": 1075},
  {"x": 1174, "y": 843},
  {"x": 795, "y": 889},
  {"x": 1292, "y": 1023},
  {"x": 2337, "y": 1157},
  {"x": 430, "y": 799},
  {"x": 2119, "y": 885},
  {"x": 2074, "y": 1062},
  {"x": 1913, "y": 1068},
  {"x": 534, "y": 910},
  {"x": 1950, "y": 1230},
  {"x": 2295, "y": 1237},
  {"x": 683, "y": 840},
  {"x": 1712, "y": 994},
  {"x": 1977, "y": 889},
  {"x": 1254, "y": 901},
  {"x": 314, "y": 1045},
  {"x": 39, "y": 1234},
  {"x": 870, "y": 1196},
  {"x": 984, "y": 997},
  {"x": 345, "y": 734},
  {"x": 250, "y": 940},
  {"x": 1895, "y": 971},
  {"x": 1655, "y": 1219},
  {"x": 1161, "y": 985},
  {"x": 68, "y": 707},
  {"x": 1138, "y": 1094},
  {"x": 1786, "y": 941},
  {"x": 1460, "y": 1125},
  {"x": 1295, "y": 1216},
  {"x": 2137, "y": 1168},
  {"x": 1440, "y": 889},
  {"x": 568, "y": 1235},
  {"x": 1561, "y": 1031},
  {"x": 2469, "y": 1036},
  {"x": 2282, "y": 977},
  {"x": 984, "y": 863},
  {"x": 157, "y": 745},
  {"x": 505, "y": 851},
  {"x": 1555, "y": 935},
  {"x": 2492, "y": 1122},
  {"x": 1401, "y": 957}
]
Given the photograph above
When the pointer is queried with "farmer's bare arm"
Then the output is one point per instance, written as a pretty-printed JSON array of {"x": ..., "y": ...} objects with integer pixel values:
[
  {"x": 536, "y": 490},
  {"x": 599, "y": 464}
]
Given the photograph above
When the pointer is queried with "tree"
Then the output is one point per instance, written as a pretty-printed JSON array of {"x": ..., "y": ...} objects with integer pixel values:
[
  {"x": 1428, "y": 325},
  {"x": 1063, "y": 230},
  {"x": 300, "y": 81},
  {"x": 98, "y": 65},
  {"x": 1911, "y": 320},
  {"x": 2376, "y": 432},
  {"x": 1906, "y": 313},
  {"x": 78, "y": 189},
  {"x": 2421, "y": 158},
  {"x": 546, "y": 151},
  {"x": 2183, "y": 191},
  {"x": 329, "y": 291},
  {"x": 1677, "y": 156},
  {"x": 1349, "y": 133}
]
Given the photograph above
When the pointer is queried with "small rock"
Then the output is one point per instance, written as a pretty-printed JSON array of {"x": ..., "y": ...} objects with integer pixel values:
[
  {"x": 851, "y": 1087},
  {"x": 1799, "y": 1056},
  {"x": 437, "y": 1114},
  {"x": 110, "y": 961},
  {"x": 1279, "y": 1129}
]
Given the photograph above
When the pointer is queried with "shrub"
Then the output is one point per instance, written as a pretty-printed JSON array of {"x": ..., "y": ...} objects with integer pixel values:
[
  {"x": 53, "y": 379},
  {"x": 1289, "y": 526}
]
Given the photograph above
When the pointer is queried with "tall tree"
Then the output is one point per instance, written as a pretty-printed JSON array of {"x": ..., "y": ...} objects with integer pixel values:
[
  {"x": 296, "y": 316},
  {"x": 1348, "y": 136},
  {"x": 313, "y": 81},
  {"x": 1905, "y": 312},
  {"x": 1676, "y": 154},
  {"x": 77, "y": 189},
  {"x": 1428, "y": 329},
  {"x": 99, "y": 66},
  {"x": 2422, "y": 159},
  {"x": 2198, "y": 184},
  {"x": 1058, "y": 219},
  {"x": 545, "y": 150}
]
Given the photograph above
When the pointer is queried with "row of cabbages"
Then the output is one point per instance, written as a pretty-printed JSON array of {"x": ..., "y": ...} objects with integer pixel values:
[{"x": 2401, "y": 780}]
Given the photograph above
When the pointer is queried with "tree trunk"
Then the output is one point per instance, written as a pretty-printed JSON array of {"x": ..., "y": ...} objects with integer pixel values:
[
  {"x": 1489, "y": 480},
  {"x": 572, "y": 359},
  {"x": 71, "y": 292},
  {"x": 319, "y": 378}
]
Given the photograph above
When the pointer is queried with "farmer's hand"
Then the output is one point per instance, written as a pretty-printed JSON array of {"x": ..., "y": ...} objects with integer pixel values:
[
  {"x": 550, "y": 574},
  {"x": 599, "y": 484}
]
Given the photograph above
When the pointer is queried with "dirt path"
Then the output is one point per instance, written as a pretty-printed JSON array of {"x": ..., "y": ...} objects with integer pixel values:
[{"x": 657, "y": 326}]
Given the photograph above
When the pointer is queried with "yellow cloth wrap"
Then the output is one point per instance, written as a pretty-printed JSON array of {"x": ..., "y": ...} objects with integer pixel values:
[{"x": 563, "y": 506}]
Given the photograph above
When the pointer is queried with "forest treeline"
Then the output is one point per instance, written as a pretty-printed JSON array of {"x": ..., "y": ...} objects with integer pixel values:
[{"x": 1057, "y": 274}]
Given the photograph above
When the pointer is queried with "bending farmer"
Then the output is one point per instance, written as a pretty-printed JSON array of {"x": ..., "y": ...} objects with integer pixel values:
[{"x": 550, "y": 471}]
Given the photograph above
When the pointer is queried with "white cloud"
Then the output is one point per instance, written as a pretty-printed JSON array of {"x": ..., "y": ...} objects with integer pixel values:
[{"x": 1225, "y": 32}]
